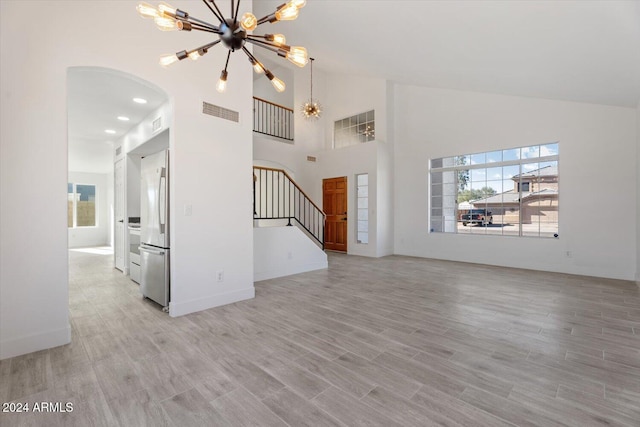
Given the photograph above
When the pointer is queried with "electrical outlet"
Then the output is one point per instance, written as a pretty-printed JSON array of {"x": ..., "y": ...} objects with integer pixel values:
[
  {"x": 569, "y": 254},
  {"x": 220, "y": 276},
  {"x": 188, "y": 210}
]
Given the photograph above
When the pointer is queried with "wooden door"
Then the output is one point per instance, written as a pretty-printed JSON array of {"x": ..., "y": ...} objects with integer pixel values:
[{"x": 334, "y": 198}]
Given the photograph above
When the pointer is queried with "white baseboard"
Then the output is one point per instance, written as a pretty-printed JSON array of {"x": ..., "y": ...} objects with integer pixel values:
[
  {"x": 281, "y": 272},
  {"x": 35, "y": 342},
  {"x": 182, "y": 308}
]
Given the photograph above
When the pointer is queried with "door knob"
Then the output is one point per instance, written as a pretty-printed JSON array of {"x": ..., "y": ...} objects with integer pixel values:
[
  {"x": 344, "y": 219},
  {"x": 122, "y": 220}
]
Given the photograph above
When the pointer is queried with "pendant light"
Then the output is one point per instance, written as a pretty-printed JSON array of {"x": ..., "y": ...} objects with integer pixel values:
[
  {"x": 311, "y": 109},
  {"x": 232, "y": 33}
]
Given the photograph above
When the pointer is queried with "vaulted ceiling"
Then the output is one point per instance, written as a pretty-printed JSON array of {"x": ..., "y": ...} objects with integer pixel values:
[{"x": 585, "y": 51}]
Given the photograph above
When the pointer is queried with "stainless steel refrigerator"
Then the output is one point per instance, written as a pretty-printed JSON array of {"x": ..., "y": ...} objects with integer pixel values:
[{"x": 154, "y": 228}]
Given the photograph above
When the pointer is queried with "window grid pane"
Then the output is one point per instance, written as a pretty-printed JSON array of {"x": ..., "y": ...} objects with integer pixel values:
[
  {"x": 502, "y": 199},
  {"x": 362, "y": 203},
  {"x": 354, "y": 130}
]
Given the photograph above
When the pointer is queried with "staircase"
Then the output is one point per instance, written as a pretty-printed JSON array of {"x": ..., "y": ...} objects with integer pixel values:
[{"x": 277, "y": 197}]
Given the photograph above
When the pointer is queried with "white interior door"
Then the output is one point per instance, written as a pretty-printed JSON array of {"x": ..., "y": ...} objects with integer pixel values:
[{"x": 119, "y": 197}]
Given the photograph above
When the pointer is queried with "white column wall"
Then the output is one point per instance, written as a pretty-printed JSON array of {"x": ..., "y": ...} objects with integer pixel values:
[
  {"x": 211, "y": 160},
  {"x": 598, "y": 177},
  {"x": 638, "y": 194}
]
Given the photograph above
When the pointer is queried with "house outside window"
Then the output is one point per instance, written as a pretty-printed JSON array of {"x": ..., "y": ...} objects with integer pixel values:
[{"x": 511, "y": 192}]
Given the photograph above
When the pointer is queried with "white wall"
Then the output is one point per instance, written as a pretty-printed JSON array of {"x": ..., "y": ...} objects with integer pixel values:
[
  {"x": 598, "y": 178},
  {"x": 350, "y": 95},
  {"x": 206, "y": 150},
  {"x": 282, "y": 251},
  {"x": 349, "y": 162},
  {"x": 638, "y": 193},
  {"x": 343, "y": 96},
  {"x": 308, "y": 135},
  {"x": 83, "y": 237}
]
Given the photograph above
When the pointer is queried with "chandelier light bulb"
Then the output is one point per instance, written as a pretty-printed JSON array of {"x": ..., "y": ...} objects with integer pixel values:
[
  {"x": 145, "y": 10},
  {"x": 166, "y": 24},
  {"x": 278, "y": 84},
  {"x": 298, "y": 55},
  {"x": 166, "y": 60},
  {"x": 195, "y": 55},
  {"x": 299, "y": 3},
  {"x": 167, "y": 10},
  {"x": 288, "y": 12},
  {"x": 248, "y": 22},
  {"x": 278, "y": 39},
  {"x": 257, "y": 67},
  {"x": 222, "y": 82}
]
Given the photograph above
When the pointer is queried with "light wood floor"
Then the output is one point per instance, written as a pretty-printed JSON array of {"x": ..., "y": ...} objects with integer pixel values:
[{"x": 393, "y": 342}]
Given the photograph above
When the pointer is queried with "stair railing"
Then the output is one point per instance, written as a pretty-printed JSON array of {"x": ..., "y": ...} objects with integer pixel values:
[
  {"x": 277, "y": 197},
  {"x": 272, "y": 119}
]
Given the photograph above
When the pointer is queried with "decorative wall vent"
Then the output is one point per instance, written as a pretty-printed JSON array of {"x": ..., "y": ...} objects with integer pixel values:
[
  {"x": 221, "y": 112},
  {"x": 311, "y": 159},
  {"x": 156, "y": 125},
  {"x": 119, "y": 150}
]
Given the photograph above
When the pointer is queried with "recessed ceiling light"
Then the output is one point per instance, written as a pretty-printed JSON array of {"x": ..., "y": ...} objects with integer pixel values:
[
  {"x": 123, "y": 118},
  {"x": 140, "y": 100},
  {"x": 110, "y": 131}
]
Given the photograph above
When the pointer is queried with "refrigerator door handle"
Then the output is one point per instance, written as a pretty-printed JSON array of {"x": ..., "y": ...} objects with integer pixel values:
[
  {"x": 162, "y": 200},
  {"x": 146, "y": 249}
]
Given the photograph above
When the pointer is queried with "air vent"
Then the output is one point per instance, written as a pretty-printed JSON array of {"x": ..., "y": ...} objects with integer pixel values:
[
  {"x": 156, "y": 125},
  {"x": 311, "y": 159},
  {"x": 223, "y": 113},
  {"x": 119, "y": 150}
]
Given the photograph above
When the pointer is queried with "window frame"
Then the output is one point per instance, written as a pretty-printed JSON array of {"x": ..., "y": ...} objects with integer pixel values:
[
  {"x": 75, "y": 205},
  {"x": 520, "y": 162},
  {"x": 358, "y": 209},
  {"x": 368, "y": 134}
]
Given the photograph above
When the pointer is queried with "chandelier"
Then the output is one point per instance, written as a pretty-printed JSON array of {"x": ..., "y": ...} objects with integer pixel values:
[
  {"x": 311, "y": 109},
  {"x": 232, "y": 33}
]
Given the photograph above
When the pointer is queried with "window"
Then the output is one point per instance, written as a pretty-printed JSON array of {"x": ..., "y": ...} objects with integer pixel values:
[
  {"x": 511, "y": 192},
  {"x": 81, "y": 205},
  {"x": 362, "y": 194},
  {"x": 354, "y": 130}
]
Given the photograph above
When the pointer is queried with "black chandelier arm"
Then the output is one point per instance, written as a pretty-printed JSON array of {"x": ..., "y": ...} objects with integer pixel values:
[
  {"x": 204, "y": 47},
  {"x": 201, "y": 23},
  {"x": 258, "y": 38},
  {"x": 217, "y": 14},
  {"x": 250, "y": 55},
  {"x": 235, "y": 15},
  {"x": 205, "y": 29},
  {"x": 269, "y": 18},
  {"x": 226, "y": 64},
  {"x": 268, "y": 45}
]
